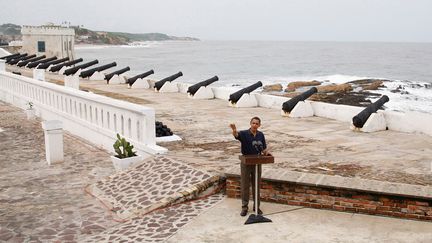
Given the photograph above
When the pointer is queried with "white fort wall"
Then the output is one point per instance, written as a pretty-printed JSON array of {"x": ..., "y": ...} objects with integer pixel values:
[
  {"x": 93, "y": 117},
  {"x": 411, "y": 122}
]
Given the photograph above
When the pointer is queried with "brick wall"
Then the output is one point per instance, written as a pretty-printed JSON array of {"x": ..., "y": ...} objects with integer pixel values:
[{"x": 337, "y": 199}]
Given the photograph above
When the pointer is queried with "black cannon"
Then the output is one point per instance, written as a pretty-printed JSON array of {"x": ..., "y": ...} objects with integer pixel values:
[
  {"x": 15, "y": 61},
  {"x": 194, "y": 88},
  {"x": 71, "y": 71},
  {"x": 287, "y": 106},
  {"x": 118, "y": 72},
  {"x": 53, "y": 62},
  {"x": 34, "y": 59},
  {"x": 9, "y": 56},
  {"x": 161, "y": 82},
  {"x": 90, "y": 72},
  {"x": 360, "y": 119},
  {"x": 8, "y": 60},
  {"x": 132, "y": 80},
  {"x": 57, "y": 68},
  {"x": 234, "y": 97},
  {"x": 36, "y": 63}
]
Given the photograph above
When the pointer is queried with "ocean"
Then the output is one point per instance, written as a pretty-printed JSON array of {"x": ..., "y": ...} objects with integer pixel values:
[{"x": 241, "y": 63}]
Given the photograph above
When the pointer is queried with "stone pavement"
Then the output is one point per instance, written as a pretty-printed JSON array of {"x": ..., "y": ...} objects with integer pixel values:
[
  {"x": 154, "y": 183},
  {"x": 314, "y": 144},
  {"x": 41, "y": 203},
  {"x": 158, "y": 225},
  {"x": 222, "y": 223}
]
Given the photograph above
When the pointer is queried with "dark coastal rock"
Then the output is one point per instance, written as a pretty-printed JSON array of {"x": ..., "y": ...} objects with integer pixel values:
[
  {"x": 292, "y": 86},
  {"x": 348, "y": 98}
]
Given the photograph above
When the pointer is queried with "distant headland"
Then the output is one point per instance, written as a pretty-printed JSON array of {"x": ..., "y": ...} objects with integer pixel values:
[{"x": 10, "y": 32}]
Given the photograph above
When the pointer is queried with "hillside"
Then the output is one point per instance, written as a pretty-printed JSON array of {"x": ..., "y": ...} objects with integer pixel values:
[{"x": 9, "y": 32}]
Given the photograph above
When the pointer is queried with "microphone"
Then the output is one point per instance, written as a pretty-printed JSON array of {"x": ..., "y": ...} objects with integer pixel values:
[{"x": 258, "y": 146}]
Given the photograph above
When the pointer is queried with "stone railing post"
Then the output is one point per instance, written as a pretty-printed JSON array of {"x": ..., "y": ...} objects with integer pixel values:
[
  {"x": 2, "y": 65},
  {"x": 53, "y": 131}
]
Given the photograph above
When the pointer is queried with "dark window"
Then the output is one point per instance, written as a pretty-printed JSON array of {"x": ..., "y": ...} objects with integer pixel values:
[{"x": 41, "y": 46}]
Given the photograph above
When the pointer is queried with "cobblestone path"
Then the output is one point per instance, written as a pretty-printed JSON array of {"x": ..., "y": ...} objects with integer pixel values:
[
  {"x": 158, "y": 225},
  {"x": 156, "y": 182}
]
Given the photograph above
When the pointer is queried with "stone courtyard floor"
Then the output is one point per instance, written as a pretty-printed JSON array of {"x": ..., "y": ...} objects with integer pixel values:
[
  {"x": 74, "y": 201},
  {"x": 41, "y": 203}
]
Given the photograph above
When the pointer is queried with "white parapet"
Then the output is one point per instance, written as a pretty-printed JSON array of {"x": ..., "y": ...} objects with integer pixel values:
[
  {"x": 301, "y": 109},
  {"x": 93, "y": 117},
  {"x": 203, "y": 93},
  {"x": 97, "y": 76},
  {"x": 2, "y": 65},
  {"x": 376, "y": 122},
  {"x": 53, "y": 131},
  {"x": 117, "y": 79},
  {"x": 246, "y": 100},
  {"x": 140, "y": 84},
  {"x": 72, "y": 81},
  {"x": 169, "y": 87},
  {"x": 39, "y": 74},
  {"x": 182, "y": 87}
]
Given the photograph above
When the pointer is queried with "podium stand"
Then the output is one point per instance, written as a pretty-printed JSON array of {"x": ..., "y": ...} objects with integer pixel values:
[{"x": 256, "y": 160}]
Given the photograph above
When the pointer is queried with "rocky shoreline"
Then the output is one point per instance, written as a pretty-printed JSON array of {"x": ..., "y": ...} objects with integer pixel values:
[{"x": 354, "y": 93}]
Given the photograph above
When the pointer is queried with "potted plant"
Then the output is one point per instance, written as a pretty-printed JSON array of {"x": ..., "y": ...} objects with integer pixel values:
[
  {"x": 125, "y": 156},
  {"x": 30, "y": 112}
]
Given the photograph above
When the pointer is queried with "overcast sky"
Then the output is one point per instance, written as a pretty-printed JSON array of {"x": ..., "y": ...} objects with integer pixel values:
[{"x": 316, "y": 20}]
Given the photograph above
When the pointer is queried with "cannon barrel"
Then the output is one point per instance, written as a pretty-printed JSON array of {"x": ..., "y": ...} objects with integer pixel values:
[
  {"x": 53, "y": 62},
  {"x": 15, "y": 61},
  {"x": 194, "y": 88},
  {"x": 287, "y": 106},
  {"x": 9, "y": 56},
  {"x": 161, "y": 82},
  {"x": 88, "y": 73},
  {"x": 75, "y": 69},
  {"x": 8, "y": 60},
  {"x": 234, "y": 97},
  {"x": 132, "y": 80},
  {"x": 118, "y": 72},
  {"x": 57, "y": 68},
  {"x": 24, "y": 63},
  {"x": 34, "y": 64},
  {"x": 360, "y": 119}
]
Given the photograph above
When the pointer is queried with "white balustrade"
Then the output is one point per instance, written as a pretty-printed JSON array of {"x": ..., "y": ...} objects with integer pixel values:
[{"x": 93, "y": 117}]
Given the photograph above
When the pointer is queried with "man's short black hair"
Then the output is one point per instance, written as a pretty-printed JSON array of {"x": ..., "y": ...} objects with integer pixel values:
[{"x": 256, "y": 118}]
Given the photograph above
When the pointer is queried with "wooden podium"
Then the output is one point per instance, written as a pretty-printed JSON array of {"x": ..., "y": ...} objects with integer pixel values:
[{"x": 256, "y": 159}]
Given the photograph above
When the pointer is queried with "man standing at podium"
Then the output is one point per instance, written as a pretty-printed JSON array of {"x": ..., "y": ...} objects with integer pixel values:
[{"x": 252, "y": 142}]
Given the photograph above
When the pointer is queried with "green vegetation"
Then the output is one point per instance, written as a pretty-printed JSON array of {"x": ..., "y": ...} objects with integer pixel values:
[
  {"x": 123, "y": 148},
  {"x": 10, "y": 32},
  {"x": 10, "y": 29}
]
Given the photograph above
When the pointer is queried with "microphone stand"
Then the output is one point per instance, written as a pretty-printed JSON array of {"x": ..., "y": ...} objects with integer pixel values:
[{"x": 256, "y": 218}]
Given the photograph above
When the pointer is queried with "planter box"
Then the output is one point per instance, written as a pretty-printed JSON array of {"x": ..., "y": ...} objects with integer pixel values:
[{"x": 122, "y": 164}]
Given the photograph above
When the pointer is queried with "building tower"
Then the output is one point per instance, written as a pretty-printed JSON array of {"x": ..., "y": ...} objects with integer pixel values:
[{"x": 49, "y": 40}]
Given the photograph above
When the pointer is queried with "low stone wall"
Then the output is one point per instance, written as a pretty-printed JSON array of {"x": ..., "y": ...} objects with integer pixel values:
[{"x": 406, "y": 201}]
